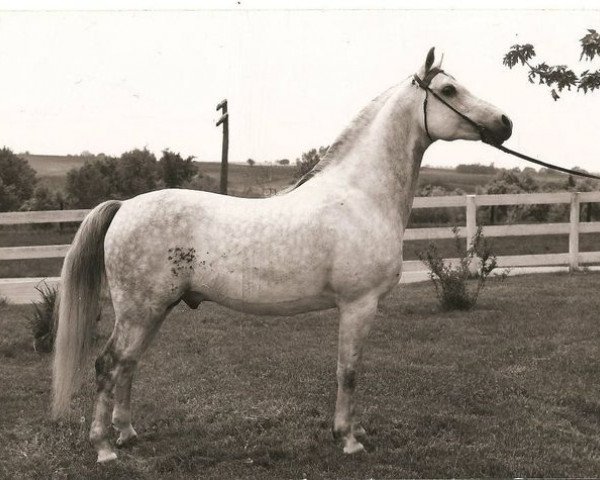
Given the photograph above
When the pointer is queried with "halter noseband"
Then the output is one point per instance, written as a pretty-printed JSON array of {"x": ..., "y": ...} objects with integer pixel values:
[{"x": 486, "y": 137}]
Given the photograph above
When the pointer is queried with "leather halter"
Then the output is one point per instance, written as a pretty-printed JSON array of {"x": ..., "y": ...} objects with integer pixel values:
[
  {"x": 484, "y": 133},
  {"x": 486, "y": 137}
]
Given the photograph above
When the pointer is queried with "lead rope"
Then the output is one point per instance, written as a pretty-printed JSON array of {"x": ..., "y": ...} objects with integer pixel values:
[{"x": 485, "y": 138}]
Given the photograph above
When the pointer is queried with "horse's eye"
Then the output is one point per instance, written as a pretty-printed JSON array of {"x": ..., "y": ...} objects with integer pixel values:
[{"x": 449, "y": 90}]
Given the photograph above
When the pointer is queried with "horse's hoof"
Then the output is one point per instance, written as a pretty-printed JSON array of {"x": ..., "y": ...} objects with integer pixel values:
[
  {"x": 126, "y": 441},
  {"x": 105, "y": 456},
  {"x": 127, "y": 437},
  {"x": 353, "y": 447}
]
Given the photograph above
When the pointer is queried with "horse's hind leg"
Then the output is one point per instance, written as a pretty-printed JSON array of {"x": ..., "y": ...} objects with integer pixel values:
[
  {"x": 133, "y": 332},
  {"x": 356, "y": 319}
]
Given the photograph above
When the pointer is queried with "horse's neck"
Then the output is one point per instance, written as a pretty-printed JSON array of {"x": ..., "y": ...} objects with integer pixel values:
[{"x": 384, "y": 159}]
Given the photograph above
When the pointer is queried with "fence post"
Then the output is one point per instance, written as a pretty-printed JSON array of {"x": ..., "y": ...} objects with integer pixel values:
[
  {"x": 574, "y": 232},
  {"x": 471, "y": 225}
]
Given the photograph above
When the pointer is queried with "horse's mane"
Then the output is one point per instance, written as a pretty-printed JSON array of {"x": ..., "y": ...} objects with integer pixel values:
[{"x": 345, "y": 140}]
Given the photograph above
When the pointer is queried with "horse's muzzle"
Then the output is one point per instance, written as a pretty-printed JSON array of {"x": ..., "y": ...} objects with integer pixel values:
[{"x": 498, "y": 135}]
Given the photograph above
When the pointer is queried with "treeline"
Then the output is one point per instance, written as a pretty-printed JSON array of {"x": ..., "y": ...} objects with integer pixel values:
[
  {"x": 102, "y": 178},
  {"x": 476, "y": 168}
]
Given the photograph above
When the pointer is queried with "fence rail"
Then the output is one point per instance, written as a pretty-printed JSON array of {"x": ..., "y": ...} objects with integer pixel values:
[{"x": 573, "y": 258}]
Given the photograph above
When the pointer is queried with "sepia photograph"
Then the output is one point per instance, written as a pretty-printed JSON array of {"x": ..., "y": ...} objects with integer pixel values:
[{"x": 299, "y": 240}]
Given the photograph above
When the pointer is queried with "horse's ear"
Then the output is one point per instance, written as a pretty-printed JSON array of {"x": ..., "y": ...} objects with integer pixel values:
[
  {"x": 429, "y": 60},
  {"x": 428, "y": 63}
]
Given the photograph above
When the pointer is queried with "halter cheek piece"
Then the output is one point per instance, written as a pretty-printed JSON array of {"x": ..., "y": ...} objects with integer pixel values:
[
  {"x": 486, "y": 137},
  {"x": 484, "y": 133}
]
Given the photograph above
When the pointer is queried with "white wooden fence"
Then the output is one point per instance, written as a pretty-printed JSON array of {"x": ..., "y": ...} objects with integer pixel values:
[{"x": 573, "y": 258}]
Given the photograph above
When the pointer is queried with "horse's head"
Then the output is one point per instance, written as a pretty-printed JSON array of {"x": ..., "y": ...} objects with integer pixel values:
[{"x": 451, "y": 112}]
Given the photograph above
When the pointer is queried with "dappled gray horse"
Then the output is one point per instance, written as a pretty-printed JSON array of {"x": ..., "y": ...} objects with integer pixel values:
[{"x": 335, "y": 240}]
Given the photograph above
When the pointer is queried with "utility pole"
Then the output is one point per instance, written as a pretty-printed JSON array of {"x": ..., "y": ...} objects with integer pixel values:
[{"x": 225, "y": 150}]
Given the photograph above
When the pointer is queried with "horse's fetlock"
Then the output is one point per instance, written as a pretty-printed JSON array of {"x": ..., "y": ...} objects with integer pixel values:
[{"x": 340, "y": 432}]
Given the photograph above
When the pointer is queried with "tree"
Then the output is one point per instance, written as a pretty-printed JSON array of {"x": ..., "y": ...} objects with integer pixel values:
[
  {"x": 92, "y": 183},
  {"x": 559, "y": 76},
  {"x": 175, "y": 171},
  {"x": 137, "y": 172},
  {"x": 515, "y": 182},
  {"x": 17, "y": 180},
  {"x": 250, "y": 162},
  {"x": 309, "y": 160},
  {"x": 283, "y": 161}
]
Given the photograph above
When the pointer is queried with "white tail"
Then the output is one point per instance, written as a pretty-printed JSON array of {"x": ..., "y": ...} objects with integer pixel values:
[{"x": 79, "y": 303}]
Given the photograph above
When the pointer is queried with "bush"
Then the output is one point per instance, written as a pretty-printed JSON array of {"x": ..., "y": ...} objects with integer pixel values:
[
  {"x": 44, "y": 199},
  {"x": 451, "y": 283},
  {"x": 44, "y": 318},
  {"x": 17, "y": 180},
  {"x": 175, "y": 170},
  {"x": 92, "y": 183}
]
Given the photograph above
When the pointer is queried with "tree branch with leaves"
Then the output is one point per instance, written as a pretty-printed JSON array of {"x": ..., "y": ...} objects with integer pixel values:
[{"x": 559, "y": 77}]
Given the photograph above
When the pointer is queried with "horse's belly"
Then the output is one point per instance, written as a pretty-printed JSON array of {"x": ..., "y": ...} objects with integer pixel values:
[
  {"x": 283, "y": 307},
  {"x": 266, "y": 291}
]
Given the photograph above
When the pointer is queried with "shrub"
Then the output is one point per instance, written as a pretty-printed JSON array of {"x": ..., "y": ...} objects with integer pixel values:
[
  {"x": 451, "y": 282},
  {"x": 175, "y": 170},
  {"x": 17, "y": 180},
  {"x": 44, "y": 317},
  {"x": 3, "y": 302}
]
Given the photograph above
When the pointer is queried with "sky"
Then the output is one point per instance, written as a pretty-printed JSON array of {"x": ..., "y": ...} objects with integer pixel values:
[{"x": 108, "y": 81}]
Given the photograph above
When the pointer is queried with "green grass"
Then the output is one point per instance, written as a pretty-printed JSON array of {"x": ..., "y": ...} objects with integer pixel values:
[{"x": 508, "y": 389}]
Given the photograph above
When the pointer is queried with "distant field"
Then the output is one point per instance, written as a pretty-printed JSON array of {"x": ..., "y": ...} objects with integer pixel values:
[
  {"x": 53, "y": 165},
  {"x": 509, "y": 389},
  {"x": 258, "y": 180}
]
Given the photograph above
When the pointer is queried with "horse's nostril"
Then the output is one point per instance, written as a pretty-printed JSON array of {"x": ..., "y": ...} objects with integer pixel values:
[{"x": 506, "y": 121}]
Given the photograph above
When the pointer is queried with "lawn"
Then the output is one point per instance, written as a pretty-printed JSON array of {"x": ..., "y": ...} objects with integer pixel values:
[{"x": 509, "y": 389}]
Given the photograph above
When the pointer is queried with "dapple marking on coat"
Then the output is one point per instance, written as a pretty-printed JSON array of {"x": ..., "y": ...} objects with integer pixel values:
[{"x": 344, "y": 222}]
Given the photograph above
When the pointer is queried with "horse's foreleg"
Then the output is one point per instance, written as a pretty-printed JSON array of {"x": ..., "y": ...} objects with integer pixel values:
[{"x": 356, "y": 319}]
